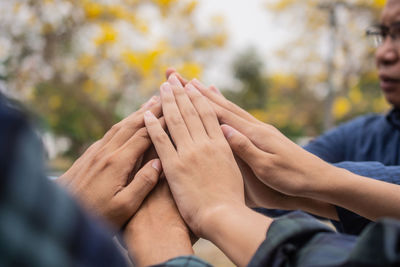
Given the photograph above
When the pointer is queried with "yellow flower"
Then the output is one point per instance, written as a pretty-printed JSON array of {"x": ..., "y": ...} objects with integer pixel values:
[
  {"x": 92, "y": 10},
  {"x": 341, "y": 107},
  {"x": 108, "y": 35},
  {"x": 191, "y": 70},
  {"x": 379, "y": 3},
  {"x": 190, "y": 7}
]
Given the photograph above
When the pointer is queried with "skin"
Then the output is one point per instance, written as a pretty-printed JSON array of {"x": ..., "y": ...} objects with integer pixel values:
[
  {"x": 105, "y": 179},
  {"x": 208, "y": 191},
  {"x": 257, "y": 192},
  {"x": 289, "y": 169},
  {"x": 157, "y": 232},
  {"x": 387, "y": 57}
]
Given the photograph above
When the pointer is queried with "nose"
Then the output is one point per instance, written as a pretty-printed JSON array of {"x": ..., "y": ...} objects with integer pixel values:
[{"x": 387, "y": 53}]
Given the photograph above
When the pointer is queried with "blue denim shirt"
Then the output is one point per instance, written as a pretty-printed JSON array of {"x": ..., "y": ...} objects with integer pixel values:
[
  {"x": 369, "y": 146},
  {"x": 366, "y": 138}
]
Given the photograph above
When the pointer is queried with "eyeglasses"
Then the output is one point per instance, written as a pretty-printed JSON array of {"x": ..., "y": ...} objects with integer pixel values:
[{"x": 378, "y": 34}]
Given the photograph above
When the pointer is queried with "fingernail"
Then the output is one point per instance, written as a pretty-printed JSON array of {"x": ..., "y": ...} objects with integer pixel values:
[
  {"x": 215, "y": 89},
  {"x": 166, "y": 88},
  {"x": 156, "y": 164},
  {"x": 228, "y": 131},
  {"x": 148, "y": 115},
  {"x": 174, "y": 80}
]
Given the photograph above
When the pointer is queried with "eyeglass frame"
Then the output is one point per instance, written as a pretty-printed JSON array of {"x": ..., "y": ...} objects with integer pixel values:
[{"x": 378, "y": 33}]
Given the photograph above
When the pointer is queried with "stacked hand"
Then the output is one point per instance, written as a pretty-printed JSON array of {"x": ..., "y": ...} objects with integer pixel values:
[
  {"x": 201, "y": 170},
  {"x": 101, "y": 177},
  {"x": 265, "y": 156}
]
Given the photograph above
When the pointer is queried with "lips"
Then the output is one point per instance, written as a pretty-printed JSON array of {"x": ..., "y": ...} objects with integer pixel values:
[{"x": 389, "y": 83}]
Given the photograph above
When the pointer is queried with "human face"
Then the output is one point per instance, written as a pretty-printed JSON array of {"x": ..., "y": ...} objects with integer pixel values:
[{"x": 388, "y": 56}]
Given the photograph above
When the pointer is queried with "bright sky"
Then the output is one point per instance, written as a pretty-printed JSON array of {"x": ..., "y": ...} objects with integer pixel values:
[{"x": 249, "y": 23}]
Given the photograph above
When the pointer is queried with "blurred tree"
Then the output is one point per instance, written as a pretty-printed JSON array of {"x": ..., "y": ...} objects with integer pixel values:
[
  {"x": 276, "y": 98},
  {"x": 328, "y": 50},
  {"x": 248, "y": 69},
  {"x": 83, "y": 64}
]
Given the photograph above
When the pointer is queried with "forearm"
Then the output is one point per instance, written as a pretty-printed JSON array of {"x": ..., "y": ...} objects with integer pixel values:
[
  {"x": 367, "y": 197},
  {"x": 313, "y": 206},
  {"x": 238, "y": 232},
  {"x": 153, "y": 246}
]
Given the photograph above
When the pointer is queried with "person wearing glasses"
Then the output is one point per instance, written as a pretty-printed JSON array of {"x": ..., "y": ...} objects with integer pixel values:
[{"x": 368, "y": 145}]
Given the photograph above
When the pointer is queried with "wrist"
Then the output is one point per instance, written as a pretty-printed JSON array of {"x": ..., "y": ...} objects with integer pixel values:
[
  {"x": 328, "y": 179},
  {"x": 237, "y": 230},
  {"x": 318, "y": 177},
  {"x": 153, "y": 245}
]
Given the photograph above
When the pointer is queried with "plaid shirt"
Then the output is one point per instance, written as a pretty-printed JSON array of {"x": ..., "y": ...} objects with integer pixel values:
[
  {"x": 39, "y": 224},
  {"x": 298, "y": 239}
]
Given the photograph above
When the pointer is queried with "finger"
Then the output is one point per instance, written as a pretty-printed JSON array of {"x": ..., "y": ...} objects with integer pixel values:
[
  {"x": 154, "y": 99},
  {"x": 160, "y": 139},
  {"x": 128, "y": 127},
  {"x": 173, "y": 118},
  {"x": 187, "y": 110},
  {"x": 215, "y": 96},
  {"x": 215, "y": 90},
  {"x": 170, "y": 71},
  {"x": 128, "y": 155},
  {"x": 133, "y": 118},
  {"x": 205, "y": 111},
  {"x": 244, "y": 148},
  {"x": 137, "y": 190},
  {"x": 148, "y": 155},
  {"x": 248, "y": 128}
]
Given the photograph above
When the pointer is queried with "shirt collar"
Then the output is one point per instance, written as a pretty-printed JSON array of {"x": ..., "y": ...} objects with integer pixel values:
[{"x": 393, "y": 117}]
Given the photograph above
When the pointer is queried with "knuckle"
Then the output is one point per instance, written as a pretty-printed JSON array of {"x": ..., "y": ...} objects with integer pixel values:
[
  {"x": 175, "y": 120},
  {"x": 243, "y": 145},
  {"x": 115, "y": 128},
  {"x": 189, "y": 112},
  {"x": 148, "y": 179},
  {"x": 133, "y": 123},
  {"x": 209, "y": 113},
  {"x": 180, "y": 167},
  {"x": 160, "y": 138},
  {"x": 110, "y": 160},
  {"x": 142, "y": 134}
]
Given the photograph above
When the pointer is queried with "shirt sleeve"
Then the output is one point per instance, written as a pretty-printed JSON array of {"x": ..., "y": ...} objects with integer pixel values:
[{"x": 298, "y": 239}]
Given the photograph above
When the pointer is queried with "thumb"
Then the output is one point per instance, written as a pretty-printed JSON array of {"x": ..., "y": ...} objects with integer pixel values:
[
  {"x": 243, "y": 147},
  {"x": 144, "y": 181}
]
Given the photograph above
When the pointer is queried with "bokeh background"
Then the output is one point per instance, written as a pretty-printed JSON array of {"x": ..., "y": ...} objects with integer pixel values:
[{"x": 82, "y": 65}]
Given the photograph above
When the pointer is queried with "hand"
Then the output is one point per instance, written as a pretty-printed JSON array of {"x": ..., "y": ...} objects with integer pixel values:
[
  {"x": 258, "y": 192},
  {"x": 274, "y": 159},
  {"x": 201, "y": 170},
  {"x": 157, "y": 232},
  {"x": 101, "y": 177}
]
